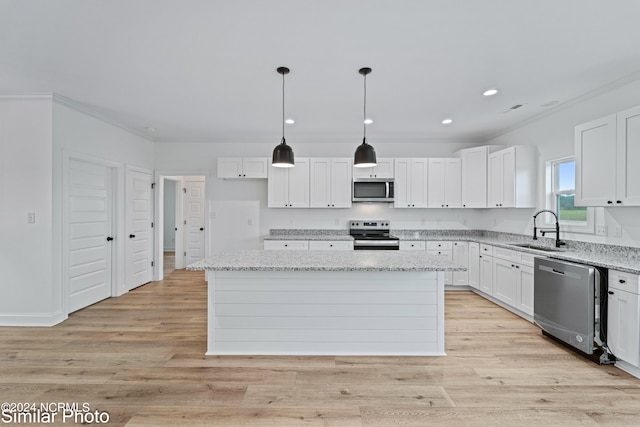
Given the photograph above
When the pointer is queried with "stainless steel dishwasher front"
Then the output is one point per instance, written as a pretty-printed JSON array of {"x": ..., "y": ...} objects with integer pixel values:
[{"x": 566, "y": 302}]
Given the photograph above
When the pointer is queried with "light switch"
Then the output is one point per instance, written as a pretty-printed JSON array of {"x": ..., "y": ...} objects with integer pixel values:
[{"x": 31, "y": 217}]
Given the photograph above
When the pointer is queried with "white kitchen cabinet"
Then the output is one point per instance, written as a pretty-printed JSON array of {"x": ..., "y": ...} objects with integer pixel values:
[
  {"x": 444, "y": 178},
  {"x": 512, "y": 177},
  {"x": 474, "y": 265},
  {"x": 412, "y": 245},
  {"x": 486, "y": 269},
  {"x": 460, "y": 253},
  {"x": 607, "y": 155},
  {"x": 411, "y": 175},
  {"x": 243, "y": 167},
  {"x": 383, "y": 169},
  {"x": 474, "y": 175},
  {"x": 289, "y": 187},
  {"x": 330, "y": 245},
  {"x": 513, "y": 279},
  {"x": 504, "y": 278},
  {"x": 524, "y": 301},
  {"x": 286, "y": 245},
  {"x": 623, "y": 319},
  {"x": 330, "y": 182}
]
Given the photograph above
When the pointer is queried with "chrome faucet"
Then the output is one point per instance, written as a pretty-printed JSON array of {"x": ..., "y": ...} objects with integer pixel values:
[{"x": 547, "y": 230}]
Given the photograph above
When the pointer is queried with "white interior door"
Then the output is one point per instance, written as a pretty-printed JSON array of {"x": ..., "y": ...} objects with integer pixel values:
[
  {"x": 194, "y": 221},
  {"x": 89, "y": 225},
  {"x": 139, "y": 230}
]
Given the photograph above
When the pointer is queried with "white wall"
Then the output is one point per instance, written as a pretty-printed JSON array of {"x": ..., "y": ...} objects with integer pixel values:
[
  {"x": 553, "y": 134},
  {"x": 26, "y": 262}
]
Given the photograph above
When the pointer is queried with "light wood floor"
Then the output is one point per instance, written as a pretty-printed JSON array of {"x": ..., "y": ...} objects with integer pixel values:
[{"x": 141, "y": 358}]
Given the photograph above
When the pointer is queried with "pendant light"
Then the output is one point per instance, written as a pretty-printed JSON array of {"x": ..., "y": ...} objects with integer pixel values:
[
  {"x": 365, "y": 156},
  {"x": 282, "y": 154}
]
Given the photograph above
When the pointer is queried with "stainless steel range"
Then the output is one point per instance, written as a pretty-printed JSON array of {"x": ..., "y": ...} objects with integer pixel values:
[{"x": 372, "y": 235}]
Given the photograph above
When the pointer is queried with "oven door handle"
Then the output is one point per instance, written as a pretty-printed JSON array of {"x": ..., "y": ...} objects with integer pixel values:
[{"x": 376, "y": 242}]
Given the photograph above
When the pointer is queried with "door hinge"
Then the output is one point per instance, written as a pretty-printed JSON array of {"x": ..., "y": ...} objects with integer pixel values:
[
  {"x": 153, "y": 185},
  {"x": 185, "y": 222},
  {"x": 185, "y": 253},
  {"x": 151, "y": 263},
  {"x": 184, "y": 190},
  {"x": 151, "y": 225}
]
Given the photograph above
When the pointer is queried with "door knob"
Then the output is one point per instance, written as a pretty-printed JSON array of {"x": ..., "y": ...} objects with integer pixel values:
[
  {"x": 201, "y": 228},
  {"x": 109, "y": 239},
  {"x": 132, "y": 236}
]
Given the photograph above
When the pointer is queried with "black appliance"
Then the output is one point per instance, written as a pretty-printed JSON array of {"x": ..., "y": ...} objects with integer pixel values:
[{"x": 372, "y": 235}]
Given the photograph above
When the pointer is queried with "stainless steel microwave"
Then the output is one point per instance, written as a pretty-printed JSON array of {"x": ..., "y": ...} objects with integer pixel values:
[{"x": 372, "y": 190}]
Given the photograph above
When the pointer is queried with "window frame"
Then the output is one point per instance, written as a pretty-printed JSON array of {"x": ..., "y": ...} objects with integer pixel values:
[{"x": 551, "y": 193}]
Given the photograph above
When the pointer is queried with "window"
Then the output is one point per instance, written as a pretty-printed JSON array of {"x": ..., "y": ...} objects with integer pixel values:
[{"x": 561, "y": 179}]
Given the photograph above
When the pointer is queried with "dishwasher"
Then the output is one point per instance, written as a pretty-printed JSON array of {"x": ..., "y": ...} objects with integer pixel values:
[{"x": 570, "y": 305}]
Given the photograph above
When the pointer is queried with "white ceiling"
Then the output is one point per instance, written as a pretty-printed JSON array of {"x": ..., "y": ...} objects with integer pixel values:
[{"x": 206, "y": 69}]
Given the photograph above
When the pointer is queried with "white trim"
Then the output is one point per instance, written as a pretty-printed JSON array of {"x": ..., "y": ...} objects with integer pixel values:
[{"x": 32, "y": 320}]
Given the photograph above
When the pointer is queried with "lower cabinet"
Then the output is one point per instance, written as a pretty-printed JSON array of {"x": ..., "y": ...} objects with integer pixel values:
[
  {"x": 513, "y": 279},
  {"x": 474, "y": 265},
  {"x": 486, "y": 269},
  {"x": 314, "y": 245},
  {"x": 286, "y": 245},
  {"x": 623, "y": 320},
  {"x": 460, "y": 253},
  {"x": 412, "y": 245},
  {"x": 444, "y": 250},
  {"x": 504, "y": 277}
]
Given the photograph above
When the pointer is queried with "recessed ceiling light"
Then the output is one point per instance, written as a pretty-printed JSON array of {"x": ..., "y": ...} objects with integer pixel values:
[
  {"x": 289, "y": 121},
  {"x": 447, "y": 121},
  {"x": 490, "y": 92},
  {"x": 368, "y": 121}
]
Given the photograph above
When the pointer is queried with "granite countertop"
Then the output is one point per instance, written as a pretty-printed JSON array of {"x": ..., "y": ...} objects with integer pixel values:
[{"x": 260, "y": 260}]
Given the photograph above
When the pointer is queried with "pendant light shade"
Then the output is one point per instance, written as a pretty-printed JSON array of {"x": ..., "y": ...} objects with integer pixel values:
[
  {"x": 283, "y": 154},
  {"x": 365, "y": 156}
]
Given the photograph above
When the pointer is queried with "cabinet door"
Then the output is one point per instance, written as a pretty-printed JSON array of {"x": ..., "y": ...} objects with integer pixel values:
[
  {"x": 436, "y": 183},
  {"x": 474, "y": 177},
  {"x": 446, "y": 255},
  {"x": 278, "y": 187},
  {"x": 628, "y": 154},
  {"x": 595, "y": 148},
  {"x": 452, "y": 183},
  {"x": 525, "y": 289},
  {"x": 299, "y": 184},
  {"x": 486, "y": 274},
  {"x": 508, "y": 168},
  {"x": 461, "y": 257},
  {"x": 255, "y": 167},
  {"x": 494, "y": 188},
  {"x": 341, "y": 179},
  {"x": 402, "y": 186},
  {"x": 474, "y": 265},
  {"x": 230, "y": 167},
  {"x": 505, "y": 277},
  {"x": 419, "y": 183},
  {"x": 384, "y": 168},
  {"x": 622, "y": 326},
  {"x": 320, "y": 183}
]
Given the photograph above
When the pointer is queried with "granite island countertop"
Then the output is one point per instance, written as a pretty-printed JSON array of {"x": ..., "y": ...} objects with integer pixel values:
[{"x": 261, "y": 260}]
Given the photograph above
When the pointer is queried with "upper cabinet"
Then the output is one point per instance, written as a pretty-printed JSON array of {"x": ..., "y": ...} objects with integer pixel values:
[
  {"x": 330, "y": 182},
  {"x": 474, "y": 175},
  {"x": 243, "y": 167},
  {"x": 444, "y": 177},
  {"x": 411, "y": 176},
  {"x": 607, "y": 154},
  {"x": 289, "y": 187},
  {"x": 512, "y": 177},
  {"x": 384, "y": 169}
]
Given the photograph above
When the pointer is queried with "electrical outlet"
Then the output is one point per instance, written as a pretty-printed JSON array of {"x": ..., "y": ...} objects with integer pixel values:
[
  {"x": 618, "y": 231},
  {"x": 250, "y": 222},
  {"x": 31, "y": 217},
  {"x": 601, "y": 230}
]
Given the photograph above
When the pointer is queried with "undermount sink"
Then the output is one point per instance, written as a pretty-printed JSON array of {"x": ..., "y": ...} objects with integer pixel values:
[{"x": 536, "y": 247}]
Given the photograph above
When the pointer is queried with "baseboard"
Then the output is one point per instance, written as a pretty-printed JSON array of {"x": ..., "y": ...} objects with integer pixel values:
[
  {"x": 36, "y": 320},
  {"x": 628, "y": 368}
]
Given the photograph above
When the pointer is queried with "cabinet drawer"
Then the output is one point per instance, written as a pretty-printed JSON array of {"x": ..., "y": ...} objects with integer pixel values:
[
  {"x": 624, "y": 281},
  {"x": 412, "y": 246},
  {"x": 439, "y": 246},
  {"x": 448, "y": 255},
  {"x": 330, "y": 245},
  {"x": 486, "y": 249},
  {"x": 527, "y": 259},
  {"x": 506, "y": 254},
  {"x": 286, "y": 244}
]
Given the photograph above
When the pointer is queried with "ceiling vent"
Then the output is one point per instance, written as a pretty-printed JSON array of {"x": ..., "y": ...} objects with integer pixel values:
[{"x": 514, "y": 107}]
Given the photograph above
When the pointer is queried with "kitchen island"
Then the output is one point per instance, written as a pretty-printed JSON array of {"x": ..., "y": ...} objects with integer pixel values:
[{"x": 325, "y": 303}]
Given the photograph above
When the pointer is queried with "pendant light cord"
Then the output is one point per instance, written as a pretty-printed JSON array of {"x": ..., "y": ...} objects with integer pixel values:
[
  {"x": 364, "y": 114},
  {"x": 282, "y": 107}
]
